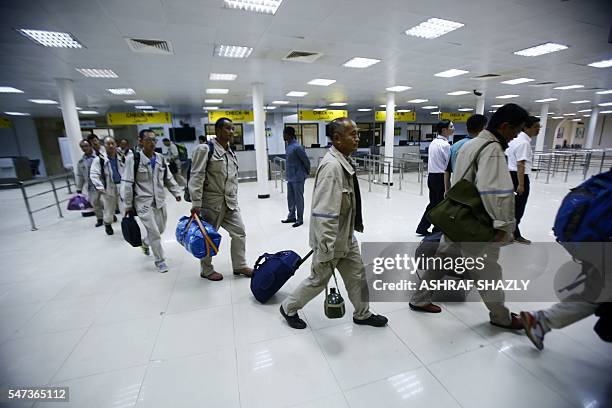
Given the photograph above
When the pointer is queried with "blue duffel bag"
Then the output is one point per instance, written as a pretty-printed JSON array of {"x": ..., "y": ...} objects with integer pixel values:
[
  {"x": 199, "y": 238},
  {"x": 271, "y": 271}
]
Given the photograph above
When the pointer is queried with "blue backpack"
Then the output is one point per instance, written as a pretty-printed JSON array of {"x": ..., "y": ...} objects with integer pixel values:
[{"x": 585, "y": 214}]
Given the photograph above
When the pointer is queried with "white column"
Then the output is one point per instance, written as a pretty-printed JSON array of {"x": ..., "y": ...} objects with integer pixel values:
[
  {"x": 389, "y": 133},
  {"x": 588, "y": 144},
  {"x": 261, "y": 150},
  {"x": 480, "y": 104},
  {"x": 542, "y": 135},
  {"x": 71, "y": 119}
]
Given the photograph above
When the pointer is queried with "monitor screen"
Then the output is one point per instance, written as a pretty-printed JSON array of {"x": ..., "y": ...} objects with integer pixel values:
[{"x": 183, "y": 134}]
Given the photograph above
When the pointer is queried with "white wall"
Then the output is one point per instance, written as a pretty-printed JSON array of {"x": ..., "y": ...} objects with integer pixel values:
[
  {"x": 25, "y": 130},
  {"x": 603, "y": 132}
]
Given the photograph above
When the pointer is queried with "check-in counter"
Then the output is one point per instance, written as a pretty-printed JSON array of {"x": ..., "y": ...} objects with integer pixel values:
[{"x": 247, "y": 164}]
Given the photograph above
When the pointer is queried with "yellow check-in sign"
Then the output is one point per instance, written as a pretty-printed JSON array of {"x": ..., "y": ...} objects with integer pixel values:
[
  {"x": 455, "y": 116},
  {"x": 138, "y": 118},
  {"x": 381, "y": 116},
  {"x": 325, "y": 115},
  {"x": 5, "y": 123},
  {"x": 233, "y": 115}
]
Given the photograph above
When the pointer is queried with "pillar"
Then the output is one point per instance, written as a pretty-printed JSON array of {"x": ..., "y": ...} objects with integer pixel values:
[
  {"x": 71, "y": 119},
  {"x": 542, "y": 135},
  {"x": 591, "y": 129},
  {"x": 261, "y": 149},
  {"x": 389, "y": 133},
  {"x": 480, "y": 104}
]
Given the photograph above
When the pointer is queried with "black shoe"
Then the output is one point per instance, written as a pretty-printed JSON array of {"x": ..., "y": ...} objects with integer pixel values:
[
  {"x": 293, "y": 321},
  {"x": 423, "y": 232},
  {"x": 117, "y": 211},
  {"x": 99, "y": 223},
  {"x": 109, "y": 229},
  {"x": 297, "y": 224},
  {"x": 114, "y": 218},
  {"x": 374, "y": 321},
  {"x": 288, "y": 220}
]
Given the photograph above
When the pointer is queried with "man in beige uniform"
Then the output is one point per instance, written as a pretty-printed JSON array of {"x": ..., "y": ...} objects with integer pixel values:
[
  {"x": 83, "y": 180},
  {"x": 213, "y": 186},
  {"x": 336, "y": 213},
  {"x": 106, "y": 176}
]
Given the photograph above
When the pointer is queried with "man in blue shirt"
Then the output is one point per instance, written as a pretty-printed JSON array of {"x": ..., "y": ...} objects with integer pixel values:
[
  {"x": 298, "y": 169},
  {"x": 475, "y": 124}
]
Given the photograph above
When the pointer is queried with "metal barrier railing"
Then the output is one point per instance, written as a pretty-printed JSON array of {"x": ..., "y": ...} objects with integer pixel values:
[
  {"x": 278, "y": 168},
  {"x": 23, "y": 185},
  {"x": 564, "y": 161}
]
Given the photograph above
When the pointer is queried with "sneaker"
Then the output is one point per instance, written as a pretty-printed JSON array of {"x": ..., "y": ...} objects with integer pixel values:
[
  {"x": 288, "y": 220},
  {"x": 162, "y": 267},
  {"x": 293, "y": 321},
  {"x": 533, "y": 329},
  {"x": 374, "y": 321},
  {"x": 99, "y": 223},
  {"x": 109, "y": 229},
  {"x": 145, "y": 249},
  {"x": 522, "y": 240}
]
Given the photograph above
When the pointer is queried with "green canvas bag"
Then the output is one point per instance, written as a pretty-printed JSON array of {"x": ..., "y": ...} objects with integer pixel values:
[{"x": 461, "y": 216}]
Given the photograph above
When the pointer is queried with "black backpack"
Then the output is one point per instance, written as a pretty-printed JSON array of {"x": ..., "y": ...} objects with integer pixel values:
[{"x": 211, "y": 150}]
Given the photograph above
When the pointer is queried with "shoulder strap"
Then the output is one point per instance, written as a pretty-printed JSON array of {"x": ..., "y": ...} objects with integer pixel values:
[
  {"x": 476, "y": 158},
  {"x": 136, "y": 155},
  {"x": 211, "y": 149},
  {"x": 102, "y": 172}
]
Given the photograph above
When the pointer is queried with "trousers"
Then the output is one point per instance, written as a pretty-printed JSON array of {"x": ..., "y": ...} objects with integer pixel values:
[
  {"x": 111, "y": 204},
  {"x": 435, "y": 184},
  {"x": 295, "y": 200},
  {"x": 95, "y": 198},
  {"x": 520, "y": 201},
  {"x": 154, "y": 221}
]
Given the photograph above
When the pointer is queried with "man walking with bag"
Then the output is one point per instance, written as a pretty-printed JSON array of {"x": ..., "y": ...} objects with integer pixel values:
[
  {"x": 298, "y": 168},
  {"x": 336, "y": 213},
  {"x": 83, "y": 180},
  {"x": 106, "y": 176}
]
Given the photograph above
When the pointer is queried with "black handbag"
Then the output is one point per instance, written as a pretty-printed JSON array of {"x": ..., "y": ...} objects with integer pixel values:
[{"x": 131, "y": 230}]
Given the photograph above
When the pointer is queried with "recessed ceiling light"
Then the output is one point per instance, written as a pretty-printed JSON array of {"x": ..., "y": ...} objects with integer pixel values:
[
  {"x": 9, "y": 89},
  {"x": 569, "y": 87},
  {"x": 398, "y": 88},
  {"x": 150, "y": 111},
  {"x": 17, "y": 113},
  {"x": 584, "y": 110},
  {"x": 213, "y": 100},
  {"x": 608, "y": 111},
  {"x": 433, "y": 28},
  {"x": 557, "y": 117},
  {"x": 449, "y": 73},
  {"x": 297, "y": 94},
  {"x": 582, "y": 101},
  {"x": 51, "y": 38},
  {"x": 546, "y": 100},
  {"x": 270, "y": 107},
  {"x": 43, "y": 101},
  {"x": 465, "y": 109},
  {"x": 586, "y": 116},
  {"x": 89, "y": 112},
  {"x": 281, "y": 102},
  {"x": 551, "y": 113},
  {"x": 364, "y": 109},
  {"x": 601, "y": 64},
  {"x": 506, "y": 96},
  {"x": 541, "y": 49},
  {"x": 135, "y": 101},
  {"x": 258, "y": 6},
  {"x": 338, "y": 104},
  {"x": 210, "y": 107},
  {"x": 121, "y": 91},
  {"x": 60, "y": 108},
  {"x": 319, "y": 109},
  {"x": 456, "y": 93},
  {"x": 217, "y": 91},
  {"x": 359, "y": 62},
  {"x": 417, "y": 100},
  {"x": 492, "y": 111},
  {"x": 434, "y": 113},
  {"x": 609, "y": 91},
  {"x": 144, "y": 107},
  {"x": 321, "y": 82},
  {"x": 496, "y": 106},
  {"x": 606, "y": 104},
  {"x": 403, "y": 110},
  {"x": 382, "y": 106},
  {"x": 429, "y": 107},
  {"x": 517, "y": 81},
  {"x": 569, "y": 114},
  {"x": 222, "y": 77},
  {"x": 576, "y": 120},
  {"x": 233, "y": 51},
  {"x": 97, "y": 72}
]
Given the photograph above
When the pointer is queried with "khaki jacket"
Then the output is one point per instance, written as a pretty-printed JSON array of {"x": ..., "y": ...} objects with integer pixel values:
[
  {"x": 111, "y": 189},
  {"x": 148, "y": 184},
  {"x": 332, "y": 220},
  {"x": 492, "y": 179},
  {"x": 82, "y": 174},
  {"x": 215, "y": 183}
]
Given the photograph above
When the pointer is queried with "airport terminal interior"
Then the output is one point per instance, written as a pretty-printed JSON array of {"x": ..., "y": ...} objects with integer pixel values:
[{"x": 85, "y": 310}]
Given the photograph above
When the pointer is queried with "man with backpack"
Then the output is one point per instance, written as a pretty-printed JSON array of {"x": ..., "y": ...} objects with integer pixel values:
[
  {"x": 83, "y": 179},
  {"x": 174, "y": 159},
  {"x": 213, "y": 188},
  {"x": 106, "y": 173}
]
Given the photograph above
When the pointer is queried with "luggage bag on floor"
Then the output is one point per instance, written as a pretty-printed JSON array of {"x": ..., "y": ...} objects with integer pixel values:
[
  {"x": 271, "y": 271},
  {"x": 79, "y": 202}
]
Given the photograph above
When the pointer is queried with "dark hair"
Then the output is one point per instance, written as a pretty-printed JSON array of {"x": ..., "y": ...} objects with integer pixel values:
[
  {"x": 219, "y": 123},
  {"x": 510, "y": 113},
  {"x": 289, "y": 130},
  {"x": 531, "y": 120},
  {"x": 335, "y": 126},
  {"x": 476, "y": 123},
  {"x": 141, "y": 134},
  {"x": 202, "y": 137},
  {"x": 92, "y": 136},
  {"x": 122, "y": 139},
  {"x": 165, "y": 139},
  {"x": 443, "y": 124}
]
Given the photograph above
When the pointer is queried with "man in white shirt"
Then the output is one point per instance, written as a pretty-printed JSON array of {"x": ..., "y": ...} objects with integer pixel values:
[
  {"x": 438, "y": 156},
  {"x": 520, "y": 160}
]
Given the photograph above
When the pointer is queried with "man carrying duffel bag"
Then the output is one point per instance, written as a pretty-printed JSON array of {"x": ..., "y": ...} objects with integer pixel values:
[{"x": 336, "y": 213}]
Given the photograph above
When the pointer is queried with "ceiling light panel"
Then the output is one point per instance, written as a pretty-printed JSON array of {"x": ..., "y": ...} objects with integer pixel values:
[
  {"x": 97, "y": 72},
  {"x": 582, "y": 101},
  {"x": 566, "y": 87},
  {"x": 321, "y": 82},
  {"x": 606, "y": 111},
  {"x": 17, "y": 113},
  {"x": 606, "y": 104},
  {"x": 121, "y": 91},
  {"x": 506, "y": 96},
  {"x": 429, "y": 107},
  {"x": 281, "y": 102},
  {"x": 217, "y": 91},
  {"x": 210, "y": 107},
  {"x": 43, "y": 101},
  {"x": 135, "y": 101},
  {"x": 517, "y": 81},
  {"x": 433, "y": 28},
  {"x": 609, "y": 91},
  {"x": 319, "y": 109},
  {"x": 541, "y": 49},
  {"x": 297, "y": 94},
  {"x": 338, "y": 104},
  {"x": 144, "y": 107},
  {"x": 257, "y": 6},
  {"x": 233, "y": 51},
  {"x": 222, "y": 77},
  {"x": 557, "y": 117},
  {"x": 434, "y": 113},
  {"x": 457, "y": 93},
  {"x": 51, "y": 38},
  {"x": 569, "y": 114},
  {"x": 465, "y": 109},
  {"x": 213, "y": 100},
  {"x": 398, "y": 88},
  {"x": 9, "y": 89},
  {"x": 584, "y": 110},
  {"x": 496, "y": 106},
  {"x": 417, "y": 100},
  {"x": 546, "y": 100},
  {"x": 364, "y": 110},
  {"x": 601, "y": 64},
  {"x": 403, "y": 110},
  {"x": 151, "y": 111},
  {"x": 270, "y": 107},
  {"x": 449, "y": 73},
  {"x": 89, "y": 112},
  {"x": 360, "y": 62}
]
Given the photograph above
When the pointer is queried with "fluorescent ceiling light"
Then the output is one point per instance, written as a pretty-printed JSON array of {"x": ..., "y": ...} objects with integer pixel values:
[
  {"x": 121, "y": 91},
  {"x": 492, "y": 111},
  {"x": 601, "y": 64},
  {"x": 517, "y": 81},
  {"x": 403, "y": 110},
  {"x": 576, "y": 120},
  {"x": 546, "y": 100},
  {"x": 569, "y": 114},
  {"x": 583, "y": 101},
  {"x": 150, "y": 111},
  {"x": 222, "y": 77},
  {"x": 456, "y": 93},
  {"x": 609, "y": 91},
  {"x": 429, "y": 107},
  {"x": 338, "y": 104},
  {"x": 97, "y": 72},
  {"x": 43, "y": 101},
  {"x": 606, "y": 104},
  {"x": 551, "y": 113},
  {"x": 382, "y": 106},
  {"x": 506, "y": 96},
  {"x": 364, "y": 110},
  {"x": 270, "y": 107},
  {"x": 569, "y": 87},
  {"x": 257, "y": 6},
  {"x": 586, "y": 116},
  {"x": 60, "y": 108},
  {"x": 233, "y": 51},
  {"x": 557, "y": 117},
  {"x": 319, "y": 109},
  {"x": 135, "y": 101},
  {"x": 359, "y": 62},
  {"x": 210, "y": 107},
  {"x": 433, "y": 28},
  {"x": 434, "y": 113},
  {"x": 143, "y": 107},
  {"x": 213, "y": 100},
  {"x": 449, "y": 73},
  {"x": 297, "y": 94},
  {"x": 541, "y": 49},
  {"x": 281, "y": 102},
  {"x": 496, "y": 106},
  {"x": 51, "y": 38},
  {"x": 321, "y": 82},
  {"x": 89, "y": 112},
  {"x": 608, "y": 111},
  {"x": 217, "y": 91},
  {"x": 17, "y": 113},
  {"x": 465, "y": 109},
  {"x": 417, "y": 100},
  {"x": 398, "y": 88},
  {"x": 9, "y": 89},
  {"x": 584, "y": 110}
]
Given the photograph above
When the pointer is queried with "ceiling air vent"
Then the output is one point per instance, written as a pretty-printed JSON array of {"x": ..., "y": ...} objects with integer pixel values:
[
  {"x": 486, "y": 76},
  {"x": 302, "y": 56},
  {"x": 150, "y": 46}
]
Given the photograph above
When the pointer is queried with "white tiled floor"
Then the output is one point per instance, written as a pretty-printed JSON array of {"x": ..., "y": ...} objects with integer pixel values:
[{"x": 82, "y": 309}]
